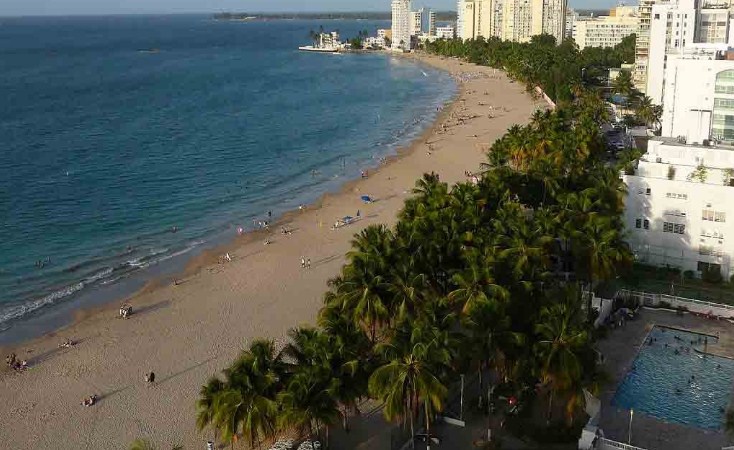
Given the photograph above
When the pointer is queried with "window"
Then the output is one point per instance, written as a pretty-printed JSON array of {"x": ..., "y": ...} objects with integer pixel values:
[
  {"x": 703, "y": 266},
  {"x": 713, "y": 216},
  {"x": 638, "y": 223},
  {"x": 675, "y": 195},
  {"x": 648, "y": 191},
  {"x": 705, "y": 250},
  {"x": 677, "y": 228}
]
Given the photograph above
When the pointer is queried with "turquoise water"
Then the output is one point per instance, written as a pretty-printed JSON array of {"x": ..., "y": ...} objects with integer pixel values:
[
  {"x": 671, "y": 381},
  {"x": 116, "y": 131}
]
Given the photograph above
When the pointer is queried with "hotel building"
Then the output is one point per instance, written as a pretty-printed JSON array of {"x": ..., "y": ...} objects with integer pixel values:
[
  {"x": 514, "y": 20},
  {"x": 606, "y": 31},
  {"x": 677, "y": 209},
  {"x": 401, "y": 16}
]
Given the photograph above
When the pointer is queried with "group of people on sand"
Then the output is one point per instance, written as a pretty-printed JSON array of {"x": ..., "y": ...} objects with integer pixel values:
[
  {"x": 92, "y": 399},
  {"x": 305, "y": 263},
  {"x": 68, "y": 343},
  {"x": 16, "y": 364}
]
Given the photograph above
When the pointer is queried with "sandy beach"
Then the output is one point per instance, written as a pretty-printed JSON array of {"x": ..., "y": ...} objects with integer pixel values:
[{"x": 189, "y": 330}]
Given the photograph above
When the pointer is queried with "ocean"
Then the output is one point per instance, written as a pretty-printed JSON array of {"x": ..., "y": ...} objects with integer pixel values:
[{"x": 133, "y": 142}]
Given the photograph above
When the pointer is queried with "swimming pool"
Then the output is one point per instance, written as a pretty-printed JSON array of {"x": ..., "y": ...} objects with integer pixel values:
[{"x": 671, "y": 381}]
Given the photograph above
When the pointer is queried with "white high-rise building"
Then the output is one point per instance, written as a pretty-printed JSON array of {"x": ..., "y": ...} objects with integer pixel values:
[
  {"x": 400, "y": 25},
  {"x": 642, "y": 44},
  {"x": 680, "y": 27},
  {"x": 514, "y": 20},
  {"x": 459, "y": 17},
  {"x": 571, "y": 18},
  {"x": 416, "y": 19},
  {"x": 431, "y": 23},
  {"x": 554, "y": 18},
  {"x": 606, "y": 31}
]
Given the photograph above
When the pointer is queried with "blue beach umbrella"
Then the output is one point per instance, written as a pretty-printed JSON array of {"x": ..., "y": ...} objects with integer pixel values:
[{"x": 366, "y": 199}]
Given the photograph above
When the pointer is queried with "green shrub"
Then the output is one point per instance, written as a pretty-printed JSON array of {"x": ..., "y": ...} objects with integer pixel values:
[
  {"x": 712, "y": 274},
  {"x": 689, "y": 275}
]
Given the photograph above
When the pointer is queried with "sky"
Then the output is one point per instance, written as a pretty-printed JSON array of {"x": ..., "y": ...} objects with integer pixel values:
[{"x": 75, "y": 7}]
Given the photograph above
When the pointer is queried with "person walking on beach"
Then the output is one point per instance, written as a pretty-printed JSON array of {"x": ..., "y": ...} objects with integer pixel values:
[
  {"x": 303, "y": 262},
  {"x": 308, "y": 263}
]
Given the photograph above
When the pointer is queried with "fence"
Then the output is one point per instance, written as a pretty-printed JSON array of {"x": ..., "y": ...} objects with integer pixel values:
[
  {"x": 608, "y": 444},
  {"x": 692, "y": 305}
]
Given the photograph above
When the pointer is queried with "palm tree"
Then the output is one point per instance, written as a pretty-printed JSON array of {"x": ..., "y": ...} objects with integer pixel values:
[
  {"x": 623, "y": 85},
  {"x": 562, "y": 342},
  {"x": 205, "y": 404},
  {"x": 245, "y": 400},
  {"x": 307, "y": 403},
  {"x": 476, "y": 284},
  {"x": 409, "y": 379},
  {"x": 600, "y": 250},
  {"x": 491, "y": 337}
]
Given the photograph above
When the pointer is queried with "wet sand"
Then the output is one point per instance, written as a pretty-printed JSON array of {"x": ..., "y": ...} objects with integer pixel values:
[{"x": 188, "y": 330}]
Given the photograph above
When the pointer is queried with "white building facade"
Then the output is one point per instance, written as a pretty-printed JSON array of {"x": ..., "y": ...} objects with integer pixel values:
[
  {"x": 605, "y": 31},
  {"x": 459, "y": 17},
  {"x": 571, "y": 18},
  {"x": 642, "y": 44},
  {"x": 446, "y": 32},
  {"x": 400, "y": 25},
  {"x": 416, "y": 20},
  {"x": 678, "y": 211},
  {"x": 513, "y": 20},
  {"x": 431, "y": 23}
]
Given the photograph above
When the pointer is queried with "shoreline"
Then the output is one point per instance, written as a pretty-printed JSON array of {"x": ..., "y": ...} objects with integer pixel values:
[
  {"x": 59, "y": 316},
  {"x": 189, "y": 330}
]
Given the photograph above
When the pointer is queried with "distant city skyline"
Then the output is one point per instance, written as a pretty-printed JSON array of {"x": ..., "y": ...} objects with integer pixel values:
[{"x": 101, "y": 7}]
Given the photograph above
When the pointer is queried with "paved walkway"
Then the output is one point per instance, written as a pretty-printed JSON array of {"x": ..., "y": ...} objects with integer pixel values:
[{"x": 620, "y": 349}]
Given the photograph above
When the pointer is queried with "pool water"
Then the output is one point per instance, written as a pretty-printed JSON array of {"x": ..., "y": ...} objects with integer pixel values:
[{"x": 674, "y": 383}]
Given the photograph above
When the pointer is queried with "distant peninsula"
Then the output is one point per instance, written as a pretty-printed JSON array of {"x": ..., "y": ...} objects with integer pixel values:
[{"x": 443, "y": 16}]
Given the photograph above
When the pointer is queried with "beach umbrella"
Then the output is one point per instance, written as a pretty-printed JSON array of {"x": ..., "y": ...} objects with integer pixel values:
[{"x": 366, "y": 198}]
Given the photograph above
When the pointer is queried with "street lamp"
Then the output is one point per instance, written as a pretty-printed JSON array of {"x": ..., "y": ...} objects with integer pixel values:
[{"x": 629, "y": 429}]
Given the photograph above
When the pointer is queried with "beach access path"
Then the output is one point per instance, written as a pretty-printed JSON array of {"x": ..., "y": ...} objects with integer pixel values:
[{"x": 190, "y": 330}]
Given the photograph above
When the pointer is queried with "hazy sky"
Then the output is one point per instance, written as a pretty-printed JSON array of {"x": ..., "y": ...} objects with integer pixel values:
[{"x": 72, "y": 7}]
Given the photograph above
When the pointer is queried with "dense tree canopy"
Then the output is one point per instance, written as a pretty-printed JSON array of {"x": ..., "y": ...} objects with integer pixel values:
[
  {"x": 559, "y": 69},
  {"x": 482, "y": 277}
]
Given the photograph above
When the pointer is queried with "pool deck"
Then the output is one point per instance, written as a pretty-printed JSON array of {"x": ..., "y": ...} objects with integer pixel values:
[{"x": 621, "y": 347}]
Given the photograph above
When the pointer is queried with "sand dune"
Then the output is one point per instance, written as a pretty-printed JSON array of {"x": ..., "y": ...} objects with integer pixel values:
[{"x": 188, "y": 331}]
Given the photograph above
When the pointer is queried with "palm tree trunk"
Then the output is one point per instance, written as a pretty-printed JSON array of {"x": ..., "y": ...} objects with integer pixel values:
[
  {"x": 550, "y": 405},
  {"x": 428, "y": 428},
  {"x": 588, "y": 299},
  {"x": 345, "y": 419},
  {"x": 327, "y": 436},
  {"x": 481, "y": 386},
  {"x": 412, "y": 430}
]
